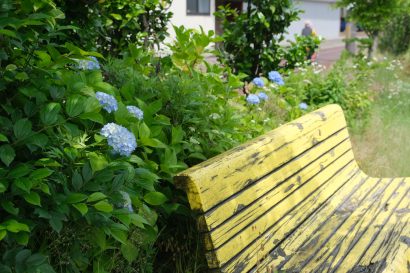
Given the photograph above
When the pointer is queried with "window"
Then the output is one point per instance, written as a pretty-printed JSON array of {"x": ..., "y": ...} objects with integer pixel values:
[{"x": 198, "y": 7}]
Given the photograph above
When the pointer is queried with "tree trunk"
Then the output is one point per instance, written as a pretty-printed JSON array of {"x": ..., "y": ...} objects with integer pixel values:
[{"x": 373, "y": 46}]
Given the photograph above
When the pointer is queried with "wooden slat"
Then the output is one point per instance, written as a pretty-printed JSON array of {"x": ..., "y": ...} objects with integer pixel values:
[
  {"x": 293, "y": 184},
  {"x": 329, "y": 253},
  {"x": 242, "y": 166},
  {"x": 384, "y": 246},
  {"x": 334, "y": 211},
  {"x": 244, "y": 228},
  {"x": 285, "y": 217},
  {"x": 278, "y": 184}
]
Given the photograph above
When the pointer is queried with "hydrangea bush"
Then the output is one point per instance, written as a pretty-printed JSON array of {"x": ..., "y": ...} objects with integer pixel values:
[{"x": 79, "y": 169}]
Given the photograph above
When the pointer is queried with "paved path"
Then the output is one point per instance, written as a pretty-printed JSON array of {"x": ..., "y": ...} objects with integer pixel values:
[{"x": 330, "y": 51}]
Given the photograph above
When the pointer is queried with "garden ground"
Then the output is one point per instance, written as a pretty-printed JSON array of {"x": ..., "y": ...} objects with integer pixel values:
[{"x": 382, "y": 148}]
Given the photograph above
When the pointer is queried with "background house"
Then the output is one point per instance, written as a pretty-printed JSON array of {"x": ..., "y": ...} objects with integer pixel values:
[{"x": 196, "y": 13}]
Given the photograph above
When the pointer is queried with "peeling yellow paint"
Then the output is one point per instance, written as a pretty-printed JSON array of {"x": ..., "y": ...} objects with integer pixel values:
[{"x": 294, "y": 199}]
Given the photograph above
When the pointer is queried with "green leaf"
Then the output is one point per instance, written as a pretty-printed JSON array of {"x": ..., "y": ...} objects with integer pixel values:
[
  {"x": 103, "y": 206},
  {"x": 42, "y": 213},
  {"x": 21, "y": 258},
  {"x": 153, "y": 142},
  {"x": 75, "y": 198},
  {"x": 19, "y": 171},
  {"x": 155, "y": 198},
  {"x": 44, "y": 58},
  {"x": 137, "y": 160},
  {"x": 99, "y": 237},
  {"x": 138, "y": 220},
  {"x": 3, "y": 187},
  {"x": 45, "y": 268},
  {"x": 3, "y": 138},
  {"x": 146, "y": 178},
  {"x": 3, "y": 234},
  {"x": 7, "y": 154},
  {"x": 21, "y": 76},
  {"x": 75, "y": 105},
  {"x": 47, "y": 162},
  {"x": 116, "y": 16},
  {"x": 93, "y": 116},
  {"x": 49, "y": 114},
  {"x": 9, "y": 33},
  {"x": 24, "y": 184},
  {"x": 44, "y": 188},
  {"x": 33, "y": 198},
  {"x": 87, "y": 172},
  {"x": 15, "y": 226},
  {"x": 22, "y": 238},
  {"x": 39, "y": 140},
  {"x": 144, "y": 131},
  {"x": 9, "y": 207},
  {"x": 177, "y": 135},
  {"x": 98, "y": 162},
  {"x": 77, "y": 181},
  {"x": 56, "y": 224},
  {"x": 82, "y": 208},
  {"x": 11, "y": 67},
  {"x": 41, "y": 174},
  {"x": 22, "y": 128},
  {"x": 129, "y": 251},
  {"x": 96, "y": 196},
  {"x": 119, "y": 235},
  {"x": 35, "y": 260}
]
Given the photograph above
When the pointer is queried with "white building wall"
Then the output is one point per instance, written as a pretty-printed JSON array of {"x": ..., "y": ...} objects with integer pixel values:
[
  {"x": 324, "y": 17},
  {"x": 180, "y": 17}
]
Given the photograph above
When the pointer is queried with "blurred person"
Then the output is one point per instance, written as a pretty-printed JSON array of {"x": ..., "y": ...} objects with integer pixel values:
[{"x": 308, "y": 31}]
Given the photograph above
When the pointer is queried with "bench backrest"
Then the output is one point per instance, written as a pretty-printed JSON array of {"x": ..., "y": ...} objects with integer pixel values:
[{"x": 245, "y": 197}]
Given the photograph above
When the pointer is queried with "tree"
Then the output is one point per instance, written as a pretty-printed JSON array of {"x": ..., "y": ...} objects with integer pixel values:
[
  {"x": 395, "y": 38},
  {"x": 251, "y": 38},
  {"x": 372, "y": 15}
]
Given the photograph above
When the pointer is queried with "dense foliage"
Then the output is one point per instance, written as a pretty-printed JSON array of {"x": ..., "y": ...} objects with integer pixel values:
[
  {"x": 109, "y": 26},
  {"x": 372, "y": 16},
  {"x": 395, "y": 37},
  {"x": 252, "y": 38}
]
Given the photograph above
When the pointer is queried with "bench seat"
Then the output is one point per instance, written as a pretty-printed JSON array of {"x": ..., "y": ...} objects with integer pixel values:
[{"x": 295, "y": 200}]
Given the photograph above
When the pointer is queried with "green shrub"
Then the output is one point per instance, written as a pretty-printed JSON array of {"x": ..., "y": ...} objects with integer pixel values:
[
  {"x": 109, "y": 26},
  {"x": 69, "y": 202},
  {"x": 299, "y": 50},
  {"x": 395, "y": 38},
  {"x": 251, "y": 39}
]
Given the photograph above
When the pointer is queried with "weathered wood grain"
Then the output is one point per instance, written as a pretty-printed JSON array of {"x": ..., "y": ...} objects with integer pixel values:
[
  {"x": 332, "y": 213},
  {"x": 242, "y": 166},
  {"x": 247, "y": 225},
  {"x": 339, "y": 244},
  {"x": 279, "y": 183},
  {"x": 296, "y": 200},
  {"x": 297, "y": 213}
]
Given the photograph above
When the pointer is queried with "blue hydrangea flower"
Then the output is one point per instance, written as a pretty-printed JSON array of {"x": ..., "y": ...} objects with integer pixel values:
[
  {"x": 303, "y": 106},
  {"x": 108, "y": 102},
  {"x": 253, "y": 99},
  {"x": 262, "y": 96},
  {"x": 90, "y": 64},
  {"x": 127, "y": 201},
  {"x": 258, "y": 82},
  {"x": 275, "y": 77},
  {"x": 119, "y": 138},
  {"x": 136, "y": 112}
]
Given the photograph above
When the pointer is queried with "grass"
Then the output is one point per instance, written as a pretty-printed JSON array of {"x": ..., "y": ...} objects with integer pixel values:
[{"x": 383, "y": 147}]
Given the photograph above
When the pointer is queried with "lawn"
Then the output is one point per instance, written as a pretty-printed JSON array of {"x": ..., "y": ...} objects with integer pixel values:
[{"x": 382, "y": 147}]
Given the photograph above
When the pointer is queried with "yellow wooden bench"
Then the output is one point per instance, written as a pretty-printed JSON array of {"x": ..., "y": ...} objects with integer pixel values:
[{"x": 295, "y": 200}]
